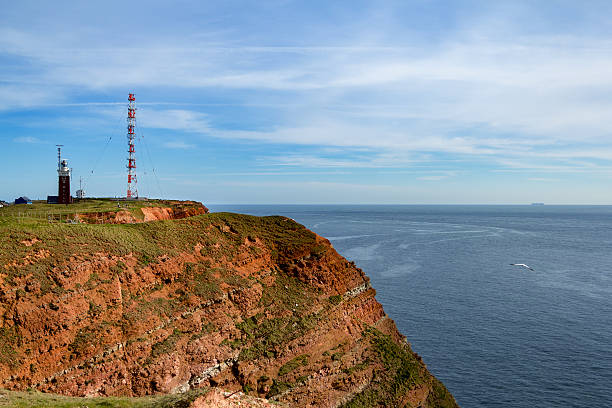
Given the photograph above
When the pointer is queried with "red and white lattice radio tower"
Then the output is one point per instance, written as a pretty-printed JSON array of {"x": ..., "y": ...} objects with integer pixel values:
[{"x": 132, "y": 190}]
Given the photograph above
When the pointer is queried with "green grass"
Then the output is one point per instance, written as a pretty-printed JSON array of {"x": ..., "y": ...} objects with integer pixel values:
[
  {"x": 40, "y": 213},
  {"x": 9, "y": 339},
  {"x": 37, "y": 399},
  {"x": 401, "y": 372},
  {"x": 91, "y": 205},
  {"x": 267, "y": 337},
  {"x": 278, "y": 387},
  {"x": 165, "y": 346},
  {"x": 335, "y": 299},
  {"x": 440, "y": 396},
  {"x": 288, "y": 293},
  {"x": 293, "y": 364},
  {"x": 337, "y": 356},
  {"x": 148, "y": 241},
  {"x": 199, "y": 279},
  {"x": 84, "y": 342},
  {"x": 357, "y": 367}
]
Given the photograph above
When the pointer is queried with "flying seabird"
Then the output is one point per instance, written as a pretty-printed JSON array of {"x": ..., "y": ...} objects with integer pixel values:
[{"x": 524, "y": 266}]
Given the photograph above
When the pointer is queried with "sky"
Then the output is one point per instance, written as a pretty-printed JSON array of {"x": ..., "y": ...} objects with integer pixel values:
[{"x": 303, "y": 102}]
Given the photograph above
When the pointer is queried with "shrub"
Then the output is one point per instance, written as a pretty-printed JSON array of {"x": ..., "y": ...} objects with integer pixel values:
[
  {"x": 293, "y": 364},
  {"x": 335, "y": 299}
]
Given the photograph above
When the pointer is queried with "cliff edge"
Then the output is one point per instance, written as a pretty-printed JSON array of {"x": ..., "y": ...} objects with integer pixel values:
[{"x": 223, "y": 304}]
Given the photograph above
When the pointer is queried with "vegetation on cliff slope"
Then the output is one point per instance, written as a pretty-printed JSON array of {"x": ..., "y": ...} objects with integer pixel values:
[
  {"x": 35, "y": 399},
  {"x": 40, "y": 212},
  {"x": 401, "y": 372},
  {"x": 151, "y": 240},
  {"x": 259, "y": 304}
]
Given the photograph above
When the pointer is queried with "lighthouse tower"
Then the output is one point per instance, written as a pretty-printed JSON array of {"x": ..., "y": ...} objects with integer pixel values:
[{"x": 63, "y": 171}]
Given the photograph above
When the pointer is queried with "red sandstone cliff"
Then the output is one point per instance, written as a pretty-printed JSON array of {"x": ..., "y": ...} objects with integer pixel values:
[{"x": 257, "y": 305}]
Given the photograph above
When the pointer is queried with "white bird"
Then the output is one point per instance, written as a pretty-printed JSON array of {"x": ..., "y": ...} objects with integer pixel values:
[{"x": 524, "y": 266}]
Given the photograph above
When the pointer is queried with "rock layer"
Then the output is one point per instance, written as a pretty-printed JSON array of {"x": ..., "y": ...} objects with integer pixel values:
[
  {"x": 234, "y": 302},
  {"x": 173, "y": 211}
]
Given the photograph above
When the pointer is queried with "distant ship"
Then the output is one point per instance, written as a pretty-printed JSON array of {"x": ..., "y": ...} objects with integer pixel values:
[{"x": 537, "y": 203}]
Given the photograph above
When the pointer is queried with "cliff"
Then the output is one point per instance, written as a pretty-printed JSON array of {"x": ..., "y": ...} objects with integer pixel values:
[
  {"x": 257, "y": 307},
  {"x": 156, "y": 211}
]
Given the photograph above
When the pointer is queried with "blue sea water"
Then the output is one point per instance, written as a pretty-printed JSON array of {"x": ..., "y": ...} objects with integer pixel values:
[{"x": 496, "y": 335}]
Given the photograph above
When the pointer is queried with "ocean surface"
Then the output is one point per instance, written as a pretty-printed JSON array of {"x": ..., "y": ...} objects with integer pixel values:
[{"x": 496, "y": 335}]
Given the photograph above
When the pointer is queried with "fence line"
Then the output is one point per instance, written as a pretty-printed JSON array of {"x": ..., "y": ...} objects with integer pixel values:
[
  {"x": 49, "y": 216},
  {"x": 104, "y": 215}
]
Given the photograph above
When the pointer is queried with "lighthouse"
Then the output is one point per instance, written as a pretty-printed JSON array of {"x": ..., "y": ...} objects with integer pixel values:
[{"x": 63, "y": 171}]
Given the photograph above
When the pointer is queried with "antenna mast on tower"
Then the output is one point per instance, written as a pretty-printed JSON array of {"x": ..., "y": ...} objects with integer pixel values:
[
  {"x": 132, "y": 190},
  {"x": 59, "y": 156}
]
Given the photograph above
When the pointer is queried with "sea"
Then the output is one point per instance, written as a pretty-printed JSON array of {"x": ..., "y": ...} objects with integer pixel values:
[{"x": 496, "y": 335}]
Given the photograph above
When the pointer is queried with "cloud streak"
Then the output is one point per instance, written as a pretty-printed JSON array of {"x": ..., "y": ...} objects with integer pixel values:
[
  {"x": 27, "y": 139},
  {"x": 179, "y": 145}
]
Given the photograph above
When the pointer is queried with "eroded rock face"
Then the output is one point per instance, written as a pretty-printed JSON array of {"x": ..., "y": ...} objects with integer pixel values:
[
  {"x": 217, "y": 398},
  {"x": 173, "y": 211},
  {"x": 239, "y": 303}
]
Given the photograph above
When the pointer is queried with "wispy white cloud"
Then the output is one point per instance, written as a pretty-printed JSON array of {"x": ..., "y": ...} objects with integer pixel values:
[
  {"x": 347, "y": 158},
  {"x": 543, "y": 179},
  {"x": 174, "y": 119},
  {"x": 16, "y": 96},
  {"x": 178, "y": 144},
  {"x": 386, "y": 146},
  {"x": 27, "y": 139},
  {"x": 438, "y": 175}
]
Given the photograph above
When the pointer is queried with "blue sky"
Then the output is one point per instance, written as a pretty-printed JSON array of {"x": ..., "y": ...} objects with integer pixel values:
[{"x": 411, "y": 102}]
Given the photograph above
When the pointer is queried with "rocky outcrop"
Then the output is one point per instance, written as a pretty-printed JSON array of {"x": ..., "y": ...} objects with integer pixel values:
[
  {"x": 173, "y": 211},
  {"x": 257, "y": 306}
]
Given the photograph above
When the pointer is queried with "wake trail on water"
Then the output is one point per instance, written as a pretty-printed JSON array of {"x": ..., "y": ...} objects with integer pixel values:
[
  {"x": 424, "y": 232},
  {"x": 342, "y": 238},
  {"x": 406, "y": 246}
]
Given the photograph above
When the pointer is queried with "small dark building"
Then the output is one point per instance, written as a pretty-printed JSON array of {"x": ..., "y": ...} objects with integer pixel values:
[
  {"x": 52, "y": 199},
  {"x": 23, "y": 200}
]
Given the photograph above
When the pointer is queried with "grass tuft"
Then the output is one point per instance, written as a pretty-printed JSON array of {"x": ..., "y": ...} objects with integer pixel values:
[
  {"x": 293, "y": 364},
  {"x": 34, "y": 399}
]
